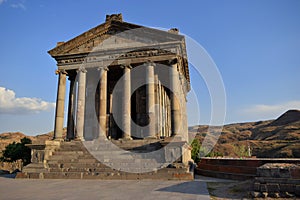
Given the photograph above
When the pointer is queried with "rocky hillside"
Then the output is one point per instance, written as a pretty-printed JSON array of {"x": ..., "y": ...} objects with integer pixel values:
[
  {"x": 272, "y": 138},
  {"x": 7, "y": 138}
]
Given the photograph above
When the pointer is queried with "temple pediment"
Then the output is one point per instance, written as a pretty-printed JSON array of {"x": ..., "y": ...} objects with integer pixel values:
[
  {"x": 115, "y": 34},
  {"x": 116, "y": 42}
]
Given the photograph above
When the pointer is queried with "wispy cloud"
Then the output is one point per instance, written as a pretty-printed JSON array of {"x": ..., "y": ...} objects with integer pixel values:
[
  {"x": 270, "y": 111},
  {"x": 18, "y": 5},
  {"x": 10, "y": 104}
]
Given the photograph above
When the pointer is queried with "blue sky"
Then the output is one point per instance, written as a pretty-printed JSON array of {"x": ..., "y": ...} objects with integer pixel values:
[{"x": 255, "y": 45}]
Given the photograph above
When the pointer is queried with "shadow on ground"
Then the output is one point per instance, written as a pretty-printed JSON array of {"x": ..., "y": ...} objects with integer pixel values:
[
  {"x": 8, "y": 175},
  {"x": 193, "y": 187}
]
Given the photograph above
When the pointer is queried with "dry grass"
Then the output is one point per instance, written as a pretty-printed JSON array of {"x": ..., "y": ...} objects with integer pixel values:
[{"x": 229, "y": 190}]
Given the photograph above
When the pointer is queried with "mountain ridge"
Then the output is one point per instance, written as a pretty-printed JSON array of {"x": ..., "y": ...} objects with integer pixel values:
[{"x": 271, "y": 138}]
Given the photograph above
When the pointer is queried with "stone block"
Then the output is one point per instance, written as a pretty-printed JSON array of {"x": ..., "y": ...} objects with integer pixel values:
[
  {"x": 263, "y": 188},
  {"x": 264, "y": 194},
  {"x": 271, "y": 187},
  {"x": 273, "y": 195},
  {"x": 260, "y": 180},
  {"x": 21, "y": 175},
  {"x": 287, "y": 188},
  {"x": 297, "y": 190},
  {"x": 286, "y": 195},
  {"x": 256, "y": 187},
  {"x": 255, "y": 194},
  {"x": 295, "y": 173}
]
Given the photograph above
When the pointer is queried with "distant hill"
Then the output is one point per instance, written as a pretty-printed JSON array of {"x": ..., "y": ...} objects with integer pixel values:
[
  {"x": 10, "y": 137},
  {"x": 271, "y": 138}
]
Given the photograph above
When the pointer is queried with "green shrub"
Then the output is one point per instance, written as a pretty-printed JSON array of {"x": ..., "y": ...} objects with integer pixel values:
[
  {"x": 195, "y": 150},
  {"x": 16, "y": 151},
  {"x": 241, "y": 150},
  {"x": 214, "y": 154}
]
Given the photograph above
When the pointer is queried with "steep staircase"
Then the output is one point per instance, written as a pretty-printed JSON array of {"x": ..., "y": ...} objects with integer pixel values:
[{"x": 122, "y": 160}]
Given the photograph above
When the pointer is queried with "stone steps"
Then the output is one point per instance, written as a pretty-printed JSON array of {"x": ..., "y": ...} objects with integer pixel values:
[
  {"x": 163, "y": 174},
  {"x": 73, "y": 161}
]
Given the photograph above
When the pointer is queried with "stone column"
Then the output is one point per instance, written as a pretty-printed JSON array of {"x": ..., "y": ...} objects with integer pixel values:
[
  {"x": 159, "y": 115},
  {"x": 184, "y": 120},
  {"x": 126, "y": 103},
  {"x": 60, "y": 105},
  {"x": 168, "y": 113},
  {"x": 175, "y": 101},
  {"x": 163, "y": 114},
  {"x": 80, "y": 104},
  {"x": 72, "y": 97},
  {"x": 156, "y": 103},
  {"x": 150, "y": 98},
  {"x": 103, "y": 102}
]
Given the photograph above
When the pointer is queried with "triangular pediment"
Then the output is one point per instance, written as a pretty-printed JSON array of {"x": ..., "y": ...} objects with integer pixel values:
[{"x": 114, "y": 35}]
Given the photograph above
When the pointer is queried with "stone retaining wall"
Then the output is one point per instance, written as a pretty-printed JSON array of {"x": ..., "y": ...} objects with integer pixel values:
[
  {"x": 234, "y": 168},
  {"x": 11, "y": 166},
  {"x": 277, "y": 180}
]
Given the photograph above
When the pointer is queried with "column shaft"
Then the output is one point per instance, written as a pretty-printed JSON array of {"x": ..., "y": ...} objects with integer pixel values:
[
  {"x": 126, "y": 103},
  {"x": 175, "y": 100},
  {"x": 60, "y": 104},
  {"x": 103, "y": 102},
  {"x": 81, "y": 104},
  {"x": 150, "y": 96},
  {"x": 163, "y": 114}
]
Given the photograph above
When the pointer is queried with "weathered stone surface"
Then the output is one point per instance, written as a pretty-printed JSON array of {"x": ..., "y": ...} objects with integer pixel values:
[
  {"x": 264, "y": 194},
  {"x": 297, "y": 190},
  {"x": 287, "y": 187},
  {"x": 255, "y": 194},
  {"x": 11, "y": 166},
  {"x": 80, "y": 164},
  {"x": 275, "y": 180}
]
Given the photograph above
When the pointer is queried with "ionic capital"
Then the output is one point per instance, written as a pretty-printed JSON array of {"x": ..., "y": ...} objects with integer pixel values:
[
  {"x": 60, "y": 71},
  {"x": 173, "y": 61},
  {"x": 126, "y": 66},
  {"x": 103, "y": 68},
  {"x": 149, "y": 63},
  {"x": 81, "y": 69}
]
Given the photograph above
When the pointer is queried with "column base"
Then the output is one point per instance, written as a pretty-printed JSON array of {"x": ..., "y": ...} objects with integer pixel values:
[
  {"x": 126, "y": 138},
  {"x": 58, "y": 139},
  {"x": 151, "y": 137},
  {"x": 79, "y": 139},
  {"x": 102, "y": 138},
  {"x": 177, "y": 138}
]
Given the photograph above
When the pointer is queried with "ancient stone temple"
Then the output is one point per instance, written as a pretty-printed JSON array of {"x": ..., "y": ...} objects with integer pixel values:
[{"x": 127, "y": 87}]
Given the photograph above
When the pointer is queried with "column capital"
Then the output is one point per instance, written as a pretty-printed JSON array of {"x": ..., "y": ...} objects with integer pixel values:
[
  {"x": 173, "y": 61},
  {"x": 123, "y": 66},
  {"x": 103, "y": 68},
  {"x": 81, "y": 69},
  {"x": 60, "y": 71},
  {"x": 149, "y": 63}
]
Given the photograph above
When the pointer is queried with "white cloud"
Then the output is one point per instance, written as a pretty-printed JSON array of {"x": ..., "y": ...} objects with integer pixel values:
[
  {"x": 18, "y": 5},
  {"x": 10, "y": 104},
  {"x": 271, "y": 111}
]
